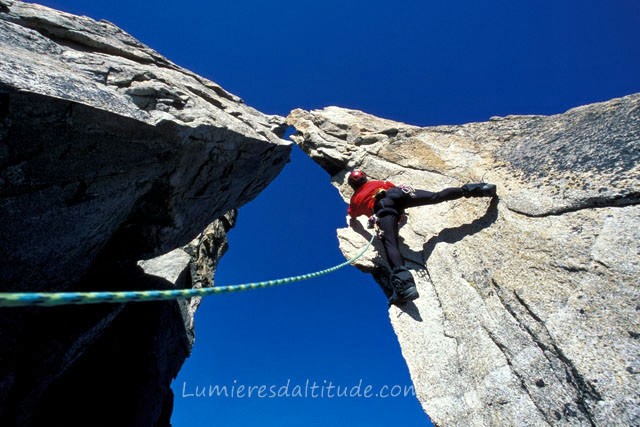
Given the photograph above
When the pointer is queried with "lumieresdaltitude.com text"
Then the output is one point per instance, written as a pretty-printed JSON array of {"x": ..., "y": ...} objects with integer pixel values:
[{"x": 309, "y": 389}]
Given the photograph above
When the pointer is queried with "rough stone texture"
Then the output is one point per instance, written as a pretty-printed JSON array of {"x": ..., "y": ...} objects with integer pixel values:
[
  {"x": 109, "y": 154},
  {"x": 99, "y": 133},
  {"x": 122, "y": 367},
  {"x": 529, "y": 307}
]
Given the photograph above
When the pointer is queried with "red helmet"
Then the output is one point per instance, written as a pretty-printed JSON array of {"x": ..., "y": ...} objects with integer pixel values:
[{"x": 357, "y": 178}]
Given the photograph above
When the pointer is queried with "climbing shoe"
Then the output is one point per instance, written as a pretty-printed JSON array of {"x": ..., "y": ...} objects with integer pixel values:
[
  {"x": 481, "y": 189},
  {"x": 404, "y": 288}
]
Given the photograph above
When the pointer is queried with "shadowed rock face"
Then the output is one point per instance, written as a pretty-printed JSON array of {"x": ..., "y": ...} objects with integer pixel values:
[
  {"x": 529, "y": 304},
  {"x": 110, "y": 154}
]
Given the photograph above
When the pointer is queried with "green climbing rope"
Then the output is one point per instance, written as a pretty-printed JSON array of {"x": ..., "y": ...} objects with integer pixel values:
[{"x": 15, "y": 299}]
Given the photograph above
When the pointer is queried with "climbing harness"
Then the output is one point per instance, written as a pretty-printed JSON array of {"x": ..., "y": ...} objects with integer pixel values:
[
  {"x": 372, "y": 222},
  {"x": 15, "y": 299},
  {"x": 407, "y": 189}
]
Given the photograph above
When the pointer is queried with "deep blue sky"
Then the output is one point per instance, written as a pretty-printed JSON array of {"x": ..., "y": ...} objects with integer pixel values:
[{"x": 420, "y": 62}]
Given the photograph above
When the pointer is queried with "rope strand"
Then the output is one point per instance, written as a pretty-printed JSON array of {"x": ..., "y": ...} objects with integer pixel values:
[{"x": 17, "y": 299}]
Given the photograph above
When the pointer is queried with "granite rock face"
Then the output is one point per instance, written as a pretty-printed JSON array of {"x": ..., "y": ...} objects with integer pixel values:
[
  {"x": 110, "y": 155},
  {"x": 529, "y": 307}
]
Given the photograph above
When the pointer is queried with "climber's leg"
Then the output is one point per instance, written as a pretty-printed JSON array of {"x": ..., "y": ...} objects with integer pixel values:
[
  {"x": 422, "y": 197},
  {"x": 389, "y": 226},
  {"x": 401, "y": 281}
]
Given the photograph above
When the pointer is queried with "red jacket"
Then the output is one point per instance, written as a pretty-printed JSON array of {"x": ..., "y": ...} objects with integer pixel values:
[{"x": 363, "y": 199}]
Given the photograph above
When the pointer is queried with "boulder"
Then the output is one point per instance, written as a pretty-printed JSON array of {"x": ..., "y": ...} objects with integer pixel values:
[
  {"x": 110, "y": 155},
  {"x": 528, "y": 313}
]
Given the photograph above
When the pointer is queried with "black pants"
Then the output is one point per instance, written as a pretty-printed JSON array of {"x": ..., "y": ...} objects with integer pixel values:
[{"x": 390, "y": 208}]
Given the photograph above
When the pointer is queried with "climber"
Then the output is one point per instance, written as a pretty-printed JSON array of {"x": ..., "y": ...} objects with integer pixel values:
[{"x": 384, "y": 203}]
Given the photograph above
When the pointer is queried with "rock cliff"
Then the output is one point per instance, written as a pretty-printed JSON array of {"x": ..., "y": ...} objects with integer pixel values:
[
  {"x": 529, "y": 307},
  {"x": 112, "y": 161}
]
